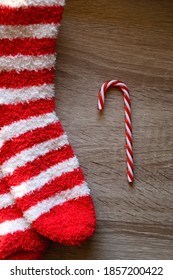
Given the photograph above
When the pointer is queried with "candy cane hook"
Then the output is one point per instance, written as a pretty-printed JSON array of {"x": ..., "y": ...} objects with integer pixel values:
[{"x": 128, "y": 124}]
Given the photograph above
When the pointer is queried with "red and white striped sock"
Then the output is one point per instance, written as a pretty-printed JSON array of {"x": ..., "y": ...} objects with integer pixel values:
[
  {"x": 17, "y": 239},
  {"x": 37, "y": 160}
]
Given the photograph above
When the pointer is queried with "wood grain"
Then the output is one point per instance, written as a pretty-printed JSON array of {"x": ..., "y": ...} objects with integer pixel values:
[{"x": 131, "y": 41}]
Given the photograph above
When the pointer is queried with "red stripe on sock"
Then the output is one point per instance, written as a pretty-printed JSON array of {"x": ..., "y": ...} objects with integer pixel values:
[
  {"x": 13, "y": 79},
  {"x": 12, "y": 113},
  {"x": 26, "y": 255},
  {"x": 27, "y": 242},
  {"x": 27, "y": 46},
  {"x": 41, "y": 163},
  {"x": 3, "y": 187},
  {"x": 62, "y": 183},
  {"x": 30, "y": 15},
  {"x": 69, "y": 223},
  {"x": 29, "y": 139},
  {"x": 10, "y": 213}
]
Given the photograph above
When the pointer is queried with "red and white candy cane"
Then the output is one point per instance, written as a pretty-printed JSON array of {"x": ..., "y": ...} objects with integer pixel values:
[{"x": 128, "y": 124}]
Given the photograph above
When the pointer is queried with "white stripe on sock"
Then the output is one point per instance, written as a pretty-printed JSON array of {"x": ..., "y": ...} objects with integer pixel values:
[
  {"x": 38, "y": 31},
  {"x": 6, "y": 200},
  {"x": 25, "y": 3},
  {"x": 26, "y": 62},
  {"x": 22, "y": 126},
  {"x": 46, "y": 205},
  {"x": 13, "y": 226},
  {"x": 37, "y": 182},
  {"x": 32, "y": 153},
  {"x": 13, "y": 96}
]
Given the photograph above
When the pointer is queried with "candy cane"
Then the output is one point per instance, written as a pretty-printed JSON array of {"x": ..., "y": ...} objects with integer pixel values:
[{"x": 128, "y": 124}]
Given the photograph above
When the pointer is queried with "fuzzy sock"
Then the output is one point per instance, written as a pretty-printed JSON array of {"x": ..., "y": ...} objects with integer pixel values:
[
  {"x": 17, "y": 240},
  {"x": 37, "y": 160}
]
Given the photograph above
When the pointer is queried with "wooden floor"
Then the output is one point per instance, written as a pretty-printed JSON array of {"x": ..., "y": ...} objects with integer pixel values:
[{"x": 129, "y": 40}]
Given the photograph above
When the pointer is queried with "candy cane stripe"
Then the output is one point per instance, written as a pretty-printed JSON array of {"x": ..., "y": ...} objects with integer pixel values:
[
  {"x": 128, "y": 118},
  {"x": 129, "y": 139},
  {"x": 129, "y": 151},
  {"x": 128, "y": 143},
  {"x": 129, "y": 132},
  {"x": 129, "y": 127},
  {"x": 129, "y": 163}
]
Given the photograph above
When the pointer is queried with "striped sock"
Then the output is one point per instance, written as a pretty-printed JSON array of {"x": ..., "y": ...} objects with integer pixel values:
[
  {"x": 17, "y": 239},
  {"x": 36, "y": 158}
]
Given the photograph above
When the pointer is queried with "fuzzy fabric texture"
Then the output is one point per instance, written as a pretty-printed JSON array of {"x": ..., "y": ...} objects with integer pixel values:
[
  {"x": 37, "y": 161},
  {"x": 17, "y": 239}
]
